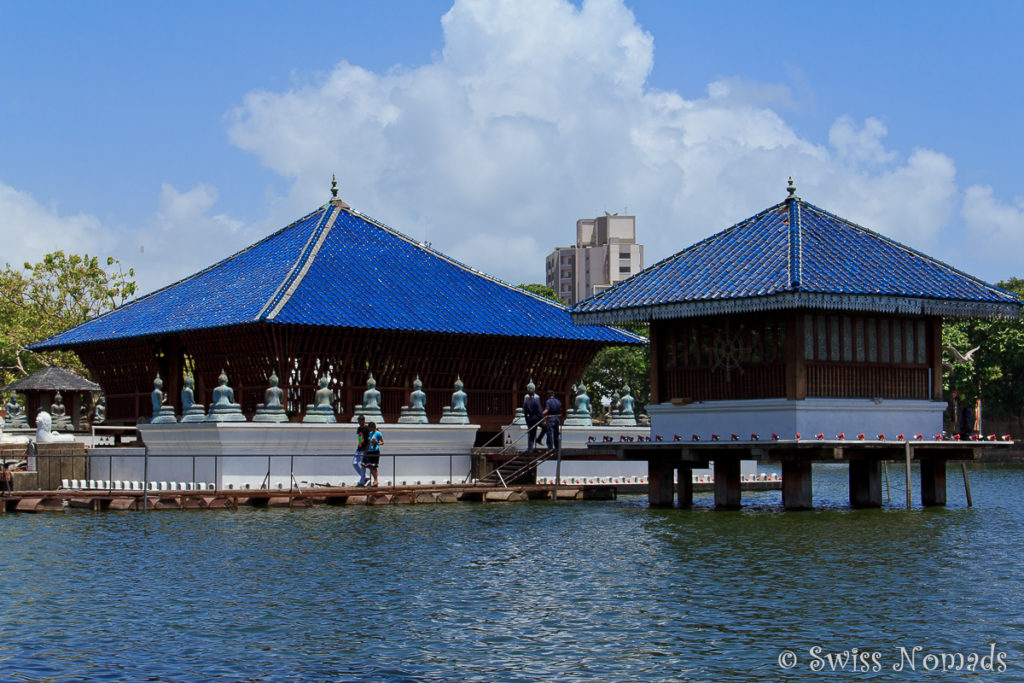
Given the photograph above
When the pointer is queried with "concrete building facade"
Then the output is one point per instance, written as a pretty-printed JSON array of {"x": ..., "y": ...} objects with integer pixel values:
[{"x": 606, "y": 252}]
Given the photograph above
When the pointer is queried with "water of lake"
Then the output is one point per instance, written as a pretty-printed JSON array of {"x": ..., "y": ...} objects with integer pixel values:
[{"x": 608, "y": 590}]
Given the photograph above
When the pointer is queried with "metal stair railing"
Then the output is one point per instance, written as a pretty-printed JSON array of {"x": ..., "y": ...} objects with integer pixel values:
[
  {"x": 505, "y": 448},
  {"x": 518, "y": 465}
]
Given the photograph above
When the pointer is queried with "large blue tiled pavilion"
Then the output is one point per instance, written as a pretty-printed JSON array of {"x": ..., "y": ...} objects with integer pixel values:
[{"x": 340, "y": 294}]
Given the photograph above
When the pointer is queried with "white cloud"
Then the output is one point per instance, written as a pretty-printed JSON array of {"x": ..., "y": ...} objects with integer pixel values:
[
  {"x": 29, "y": 230},
  {"x": 995, "y": 230},
  {"x": 182, "y": 238},
  {"x": 537, "y": 113}
]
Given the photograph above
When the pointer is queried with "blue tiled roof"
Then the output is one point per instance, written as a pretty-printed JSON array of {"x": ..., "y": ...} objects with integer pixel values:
[
  {"x": 338, "y": 268},
  {"x": 796, "y": 255}
]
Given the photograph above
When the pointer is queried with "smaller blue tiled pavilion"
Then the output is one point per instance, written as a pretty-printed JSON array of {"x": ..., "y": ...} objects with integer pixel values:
[{"x": 793, "y": 321}]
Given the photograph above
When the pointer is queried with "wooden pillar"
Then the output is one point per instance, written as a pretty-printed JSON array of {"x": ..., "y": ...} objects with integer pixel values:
[
  {"x": 684, "y": 485},
  {"x": 796, "y": 484},
  {"x": 933, "y": 481},
  {"x": 653, "y": 334},
  {"x": 865, "y": 483},
  {"x": 727, "y": 483},
  {"x": 936, "y": 358},
  {"x": 660, "y": 486},
  {"x": 796, "y": 365}
]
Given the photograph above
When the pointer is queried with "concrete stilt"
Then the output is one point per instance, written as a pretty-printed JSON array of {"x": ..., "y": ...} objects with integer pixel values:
[
  {"x": 660, "y": 487},
  {"x": 865, "y": 483},
  {"x": 933, "y": 481},
  {"x": 727, "y": 483},
  {"x": 684, "y": 486},
  {"x": 796, "y": 484}
]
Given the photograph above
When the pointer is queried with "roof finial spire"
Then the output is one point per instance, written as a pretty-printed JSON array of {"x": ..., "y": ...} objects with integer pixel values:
[
  {"x": 791, "y": 188},
  {"x": 335, "y": 199}
]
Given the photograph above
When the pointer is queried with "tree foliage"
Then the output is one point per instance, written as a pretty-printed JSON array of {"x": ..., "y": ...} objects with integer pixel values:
[
  {"x": 40, "y": 300},
  {"x": 618, "y": 366},
  {"x": 544, "y": 291},
  {"x": 996, "y": 374}
]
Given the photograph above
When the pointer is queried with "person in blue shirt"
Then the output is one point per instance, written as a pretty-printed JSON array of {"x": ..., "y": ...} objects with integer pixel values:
[
  {"x": 532, "y": 411},
  {"x": 372, "y": 457},
  {"x": 552, "y": 418}
]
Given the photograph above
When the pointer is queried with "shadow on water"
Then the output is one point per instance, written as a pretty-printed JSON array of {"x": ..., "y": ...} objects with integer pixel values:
[{"x": 607, "y": 590}]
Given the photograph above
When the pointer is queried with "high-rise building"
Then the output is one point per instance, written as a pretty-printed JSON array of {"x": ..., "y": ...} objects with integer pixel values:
[{"x": 606, "y": 252}]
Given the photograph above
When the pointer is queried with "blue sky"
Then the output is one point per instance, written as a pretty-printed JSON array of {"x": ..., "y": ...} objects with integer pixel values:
[{"x": 170, "y": 134}]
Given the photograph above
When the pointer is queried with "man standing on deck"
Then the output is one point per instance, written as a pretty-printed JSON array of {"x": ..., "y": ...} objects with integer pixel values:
[
  {"x": 552, "y": 417},
  {"x": 362, "y": 443},
  {"x": 532, "y": 412}
]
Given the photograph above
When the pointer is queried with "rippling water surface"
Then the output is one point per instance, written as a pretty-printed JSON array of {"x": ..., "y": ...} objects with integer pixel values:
[{"x": 606, "y": 590}]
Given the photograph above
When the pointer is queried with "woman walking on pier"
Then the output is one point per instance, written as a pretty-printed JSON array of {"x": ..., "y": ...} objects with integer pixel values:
[{"x": 372, "y": 457}]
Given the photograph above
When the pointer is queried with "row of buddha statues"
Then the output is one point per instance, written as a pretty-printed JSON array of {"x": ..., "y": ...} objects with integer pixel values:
[
  {"x": 324, "y": 408},
  {"x": 59, "y": 419}
]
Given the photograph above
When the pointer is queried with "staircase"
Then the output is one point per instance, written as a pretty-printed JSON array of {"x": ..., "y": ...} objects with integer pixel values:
[{"x": 510, "y": 470}]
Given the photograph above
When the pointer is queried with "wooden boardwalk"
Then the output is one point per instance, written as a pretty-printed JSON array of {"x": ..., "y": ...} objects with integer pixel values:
[{"x": 229, "y": 499}]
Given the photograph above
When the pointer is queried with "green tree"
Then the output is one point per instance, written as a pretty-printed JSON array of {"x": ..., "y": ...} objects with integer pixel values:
[
  {"x": 618, "y": 366},
  {"x": 544, "y": 291},
  {"x": 40, "y": 300},
  {"x": 996, "y": 371}
]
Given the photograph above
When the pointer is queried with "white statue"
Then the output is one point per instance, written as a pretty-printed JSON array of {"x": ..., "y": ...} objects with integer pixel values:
[{"x": 45, "y": 433}]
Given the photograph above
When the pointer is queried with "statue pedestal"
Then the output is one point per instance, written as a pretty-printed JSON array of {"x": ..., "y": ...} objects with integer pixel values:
[
  {"x": 319, "y": 415},
  {"x": 620, "y": 420},
  {"x": 264, "y": 414},
  {"x": 520, "y": 418},
  {"x": 577, "y": 420},
  {"x": 371, "y": 414},
  {"x": 194, "y": 414},
  {"x": 225, "y": 413},
  {"x": 454, "y": 416},
  {"x": 165, "y": 416},
  {"x": 413, "y": 416}
]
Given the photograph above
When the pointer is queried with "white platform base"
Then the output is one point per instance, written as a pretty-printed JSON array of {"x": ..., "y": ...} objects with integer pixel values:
[
  {"x": 576, "y": 437},
  {"x": 787, "y": 418}
]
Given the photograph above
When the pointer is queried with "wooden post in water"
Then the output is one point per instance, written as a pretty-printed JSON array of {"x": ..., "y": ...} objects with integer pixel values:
[
  {"x": 558, "y": 471},
  {"x": 885, "y": 470},
  {"x": 906, "y": 448},
  {"x": 967, "y": 485}
]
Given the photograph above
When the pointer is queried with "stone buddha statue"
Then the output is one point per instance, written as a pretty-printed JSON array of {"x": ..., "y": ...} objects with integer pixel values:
[
  {"x": 58, "y": 413},
  {"x": 322, "y": 410},
  {"x": 99, "y": 411},
  {"x": 624, "y": 416},
  {"x": 582, "y": 413},
  {"x": 416, "y": 411},
  {"x": 190, "y": 410},
  {"x": 15, "y": 418},
  {"x": 223, "y": 407},
  {"x": 162, "y": 414},
  {"x": 272, "y": 409},
  {"x": 370, "y": 407},
  {"x": 456, "y": 413}
]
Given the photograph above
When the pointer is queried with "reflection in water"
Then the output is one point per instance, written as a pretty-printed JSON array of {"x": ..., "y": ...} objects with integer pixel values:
[{"x": 578, "y": 591}]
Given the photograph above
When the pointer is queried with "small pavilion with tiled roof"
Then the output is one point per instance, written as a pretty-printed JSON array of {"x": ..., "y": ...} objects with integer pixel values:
[
  {"x": 796, "y": 321},
  {"x": 40, "y": 388},
  {"x": 338, "y": 293}
]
